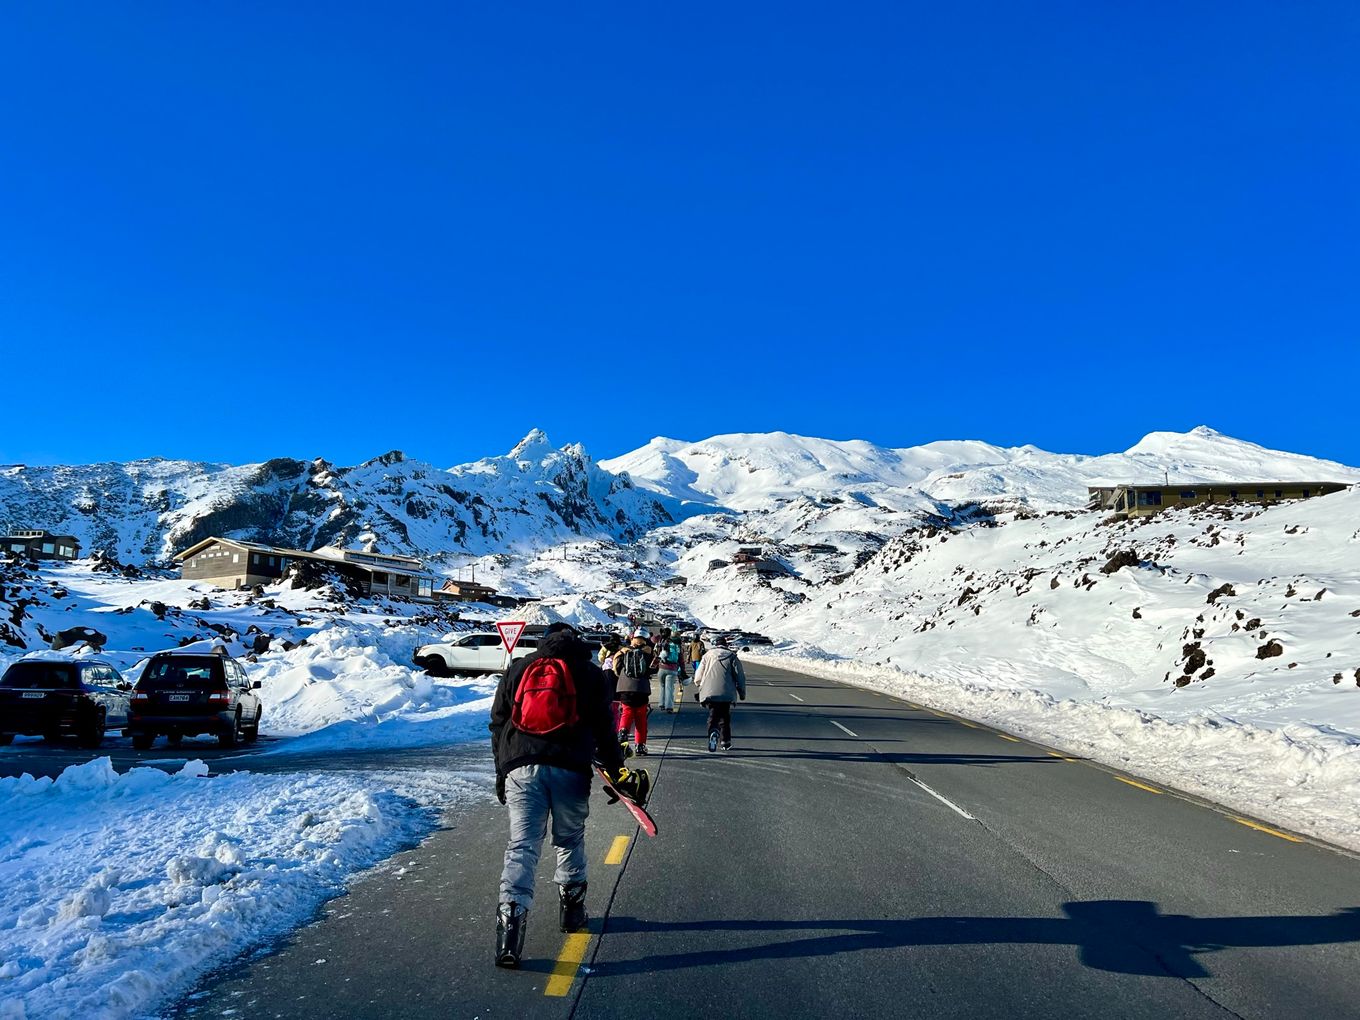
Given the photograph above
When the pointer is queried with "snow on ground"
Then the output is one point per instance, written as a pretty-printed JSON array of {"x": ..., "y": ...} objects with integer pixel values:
[{"x": 118, "y": 892}]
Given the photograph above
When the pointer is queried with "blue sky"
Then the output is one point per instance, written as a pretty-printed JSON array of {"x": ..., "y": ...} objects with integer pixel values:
[{"x": 231, "y": 232}]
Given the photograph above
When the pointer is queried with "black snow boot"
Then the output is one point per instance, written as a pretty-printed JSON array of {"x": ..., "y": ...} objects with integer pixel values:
[
  {"x": 573, "y": 898},
  {"x": 511, "y": 922},
  {"x": 713, "y": 740}
]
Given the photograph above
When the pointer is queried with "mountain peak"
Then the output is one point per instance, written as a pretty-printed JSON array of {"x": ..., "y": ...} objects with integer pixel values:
[{"x": 537, "y": 439}]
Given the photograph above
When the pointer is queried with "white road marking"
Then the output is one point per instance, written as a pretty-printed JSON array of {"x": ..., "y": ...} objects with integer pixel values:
[
  {"x": 794, "y": 696},
  {"x": 942, "y": 799},
  {"x": 840, "y": 727}
]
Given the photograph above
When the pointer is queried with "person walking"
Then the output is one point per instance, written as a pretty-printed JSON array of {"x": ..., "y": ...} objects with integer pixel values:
[
  {"x": 670, "y": 669},
  {"x": 609, "y": 651},
  {"x": 694, "y": 651},
  {"x": 550, "y": 721},
  {"x": 720, "y": 680},
  {"x": 634, "y": 666}
]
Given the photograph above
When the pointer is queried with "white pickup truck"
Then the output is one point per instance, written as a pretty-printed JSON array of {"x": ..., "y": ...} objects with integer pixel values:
[{"x": 471, "y": 653}]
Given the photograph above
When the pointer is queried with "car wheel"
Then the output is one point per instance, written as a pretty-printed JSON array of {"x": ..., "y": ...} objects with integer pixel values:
[
  {"x": 228, "y": 737},
  {"x": 6, "y": 739},
  {"x": 143, "y": 741},
  {"x": 93, "y": 735},
  {"x": 435, "y": 665},
  {"x": 252, "y": 732},
  {"x": 175, "y": 739}
]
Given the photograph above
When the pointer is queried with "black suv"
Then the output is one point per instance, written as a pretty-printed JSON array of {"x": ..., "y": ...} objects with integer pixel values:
[
  {"x": 53, "y": 697},
  {"x": 183, "y": 694}
]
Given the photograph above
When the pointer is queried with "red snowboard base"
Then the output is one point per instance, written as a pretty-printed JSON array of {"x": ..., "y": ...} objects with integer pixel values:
[{"x": 640, "y": 813}]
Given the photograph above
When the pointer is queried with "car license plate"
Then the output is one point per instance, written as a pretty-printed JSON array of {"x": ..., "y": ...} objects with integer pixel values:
[
  {"x": 179, "y": 697},
  {"x": 35, "y": 694}
]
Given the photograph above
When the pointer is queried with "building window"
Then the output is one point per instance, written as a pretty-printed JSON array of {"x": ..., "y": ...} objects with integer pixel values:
[
  {"x": 255, "y": 558},
  {"x": 400, "y": 580},
  {"x": 1232, "y": 493},
  {"x": 1187, "y": 494},
  {"x": 1151, "y": 498},
  {"x": 1279, "y": 493},
  {"x": 1307, "y": 493},
  {"x": 271, "y": 561},
  {"x": 379, "y": 578},
  {"x": 49, "y": 548},
  {"x": 236, "y": 557}
]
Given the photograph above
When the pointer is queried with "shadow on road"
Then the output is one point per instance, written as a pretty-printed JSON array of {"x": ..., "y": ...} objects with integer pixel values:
[{"x": 1123, "y": 936}]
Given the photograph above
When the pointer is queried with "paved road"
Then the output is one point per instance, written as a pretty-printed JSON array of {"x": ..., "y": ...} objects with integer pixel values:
[{"x": 852, "y": 856}]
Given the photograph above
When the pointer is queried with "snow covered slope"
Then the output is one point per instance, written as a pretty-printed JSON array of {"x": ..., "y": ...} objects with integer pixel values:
[{"x": 145, "y": 511}]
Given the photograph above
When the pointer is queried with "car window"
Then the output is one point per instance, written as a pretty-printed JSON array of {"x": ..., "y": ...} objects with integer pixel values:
[
  {"x": 468, "y": 642},
  {"x": 488, "y": 640},
  {"x": 195, "y": 671},
  {"x": 40, "y": 675}
]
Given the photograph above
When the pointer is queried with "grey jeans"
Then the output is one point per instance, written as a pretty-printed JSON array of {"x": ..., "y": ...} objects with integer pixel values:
[{"x": 532, "y": 793}]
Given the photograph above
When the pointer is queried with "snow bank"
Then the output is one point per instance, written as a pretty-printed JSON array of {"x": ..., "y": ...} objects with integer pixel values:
[
  {"x": 1303, "y": 777},
  {"x": 117, "y": 892},
  {"x": 353, "y": 684}
]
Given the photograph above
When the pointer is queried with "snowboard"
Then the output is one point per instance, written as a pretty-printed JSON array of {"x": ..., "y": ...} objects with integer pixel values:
[{"x": 645, "y": 820}]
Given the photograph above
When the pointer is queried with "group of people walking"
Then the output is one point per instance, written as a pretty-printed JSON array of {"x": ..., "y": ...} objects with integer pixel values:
[
  {"x": 557, "y": 714},
  {"x": 671, "y": 659}
]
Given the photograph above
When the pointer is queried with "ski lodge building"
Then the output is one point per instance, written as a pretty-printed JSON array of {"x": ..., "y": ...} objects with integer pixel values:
[
  {"x": 40, "y": 545},
  {"x": 1130, "y": 500},
  {"x": 230, "y": 563}
]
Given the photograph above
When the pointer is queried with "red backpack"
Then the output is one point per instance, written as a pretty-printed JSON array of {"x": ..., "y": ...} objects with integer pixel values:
[{"x": 546, "y": 698}]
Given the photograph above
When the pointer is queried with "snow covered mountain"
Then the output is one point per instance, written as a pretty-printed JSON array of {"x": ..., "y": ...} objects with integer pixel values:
[
  {"x": 748, "y": 472},
  {"x": 147, "y": 510}
]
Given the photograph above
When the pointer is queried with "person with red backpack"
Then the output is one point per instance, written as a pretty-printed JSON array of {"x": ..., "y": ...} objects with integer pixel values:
[{"x": 550, "y": 721}]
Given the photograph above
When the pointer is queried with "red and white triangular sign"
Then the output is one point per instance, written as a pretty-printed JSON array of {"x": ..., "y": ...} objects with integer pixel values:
[{"x": 510, "y": 633}]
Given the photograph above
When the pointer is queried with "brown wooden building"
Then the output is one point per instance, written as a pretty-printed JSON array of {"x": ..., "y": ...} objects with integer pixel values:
[{"x": 231, "y": 563}]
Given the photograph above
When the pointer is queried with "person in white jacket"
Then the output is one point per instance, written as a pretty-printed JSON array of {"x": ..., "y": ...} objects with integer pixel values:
[{"x": 719, "y": 681}]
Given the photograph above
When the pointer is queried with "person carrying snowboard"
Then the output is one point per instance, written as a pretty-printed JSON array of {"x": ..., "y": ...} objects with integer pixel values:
[
  {"x": 719, "y": 681},
  {"x": 550, "y": 722},
  {"x": 634, "y": 667},
  {"x": 670, "y": 670}
]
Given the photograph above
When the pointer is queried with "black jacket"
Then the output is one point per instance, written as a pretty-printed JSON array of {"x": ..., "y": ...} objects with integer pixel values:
[{"x": 575, "y": 747}]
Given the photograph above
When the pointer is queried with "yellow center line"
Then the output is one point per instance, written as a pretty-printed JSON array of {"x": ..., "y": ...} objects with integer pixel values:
[
  {"x": 970, "y": 725},
  {"x": 1266, "y": 829},
  {"x": 1055, "y": 754},
  {"x": 564, "y": 973},
  {"x": 1007, "y": 736},
  {"x": 617, "y": 849},
  {"x": 1141, "y": 786}
]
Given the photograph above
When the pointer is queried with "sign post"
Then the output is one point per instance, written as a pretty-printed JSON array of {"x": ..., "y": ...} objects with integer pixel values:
[{"x": 510, "y": 632}]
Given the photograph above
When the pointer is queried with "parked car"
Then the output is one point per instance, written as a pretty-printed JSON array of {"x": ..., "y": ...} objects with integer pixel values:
[
  {"x": 184, "y": 694},
  {"x": 471, "y": 653},
  {"x": 54, "y": 697}
]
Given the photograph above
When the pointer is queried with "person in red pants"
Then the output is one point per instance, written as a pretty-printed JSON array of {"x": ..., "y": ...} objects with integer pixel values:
[{"x": 634, "y": 666}]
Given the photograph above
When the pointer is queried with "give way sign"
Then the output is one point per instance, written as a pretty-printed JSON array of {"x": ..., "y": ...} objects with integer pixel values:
[{"x": 510, "y": 633}]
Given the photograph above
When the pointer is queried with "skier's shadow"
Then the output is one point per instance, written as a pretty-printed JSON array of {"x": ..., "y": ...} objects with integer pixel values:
[{"x": 1122, "y": 936}]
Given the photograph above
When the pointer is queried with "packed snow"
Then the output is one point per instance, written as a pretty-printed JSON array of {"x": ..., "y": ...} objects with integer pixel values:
[{"x": 120, "y": 891}]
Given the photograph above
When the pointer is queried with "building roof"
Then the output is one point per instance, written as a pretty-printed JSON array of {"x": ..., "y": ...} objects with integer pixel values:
[{"x": 1257, "y": 484}]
